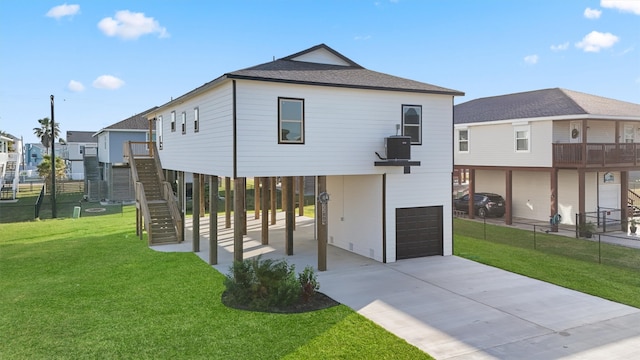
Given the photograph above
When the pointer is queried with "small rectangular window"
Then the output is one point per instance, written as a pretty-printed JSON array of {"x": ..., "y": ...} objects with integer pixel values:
[
  {"x": 184, "y": 122},
  {"x": 173, "y": 121},
  {"x": 522, "y": 138},
  {"x": 463, "y": 140},
  {"x": 196, "y": 119},
  {"x": 290, "y": 121},
  {"x": 159, "y": 131},
  {"x": 412, "y": 123}
]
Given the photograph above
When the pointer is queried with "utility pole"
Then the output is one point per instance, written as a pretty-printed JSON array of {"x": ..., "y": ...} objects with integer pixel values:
[{"x": 53, "y": 164}]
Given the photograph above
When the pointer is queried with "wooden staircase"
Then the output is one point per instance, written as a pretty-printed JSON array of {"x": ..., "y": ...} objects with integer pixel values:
[{"x": 157, "y": 209}]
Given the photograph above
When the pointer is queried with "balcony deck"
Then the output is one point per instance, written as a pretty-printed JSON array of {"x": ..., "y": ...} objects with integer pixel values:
[{"x": 596, "y": 155}]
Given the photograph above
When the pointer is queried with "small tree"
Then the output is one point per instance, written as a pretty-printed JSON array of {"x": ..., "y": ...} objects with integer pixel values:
[
  {"x": 44, "y": 132},
  {"x": 44, "y": 169}
]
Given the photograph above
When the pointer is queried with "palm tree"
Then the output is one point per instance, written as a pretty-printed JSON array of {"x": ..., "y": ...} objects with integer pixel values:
[{"x": 44, "y": 132}]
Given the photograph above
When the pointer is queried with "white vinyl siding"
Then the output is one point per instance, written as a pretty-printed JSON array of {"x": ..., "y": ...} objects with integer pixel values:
[
  {"x": 343, "y": 130},
  {"x": 494, "y": 145}
]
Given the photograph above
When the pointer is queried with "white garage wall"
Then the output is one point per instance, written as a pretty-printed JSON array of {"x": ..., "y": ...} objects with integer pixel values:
[{"x": 531, "y": 195}]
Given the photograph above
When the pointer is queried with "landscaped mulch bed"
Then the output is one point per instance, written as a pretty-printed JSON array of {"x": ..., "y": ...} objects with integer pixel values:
[{"x": 318, "y": 302}]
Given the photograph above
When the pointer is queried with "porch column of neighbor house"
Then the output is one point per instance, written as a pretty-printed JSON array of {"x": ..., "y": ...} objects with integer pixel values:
[
  {"x": 213, "y": 219},
  {"x": 322, "y": 224},
  {"x": 202, "y": 195},
  {"x": 195, "y": 196},
  {"x": 238, "y": 211},
  {"x": 264, "y": 199},
  {"x": 274, "y": 200},
  {"x": 581, "y": 200},
  {"x": 554, "y": 198},
  {"x": 472, "y": 192},
  {"x": 182, "y": 199},
  {"x": 584, "y": 142},
  {"x": 301, "y": 196},
  {"x": 227, "y": 202},
  {"x": 624, "y": 199},
  {"x": 508, "y": 181},
  {"x": 151, "y": 136},
  {"x": 256, "y": 197},
  {"x": 287, "y": 184}
]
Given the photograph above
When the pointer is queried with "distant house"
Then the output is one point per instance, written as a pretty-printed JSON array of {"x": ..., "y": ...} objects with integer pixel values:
[
  {"x": 317, "y": 113},
  {"x": 10, "y": 162},
  {"x": 551, "y": 151},
  {"x": 73, "y": 153},
  {"x": 112, "y": 179}
]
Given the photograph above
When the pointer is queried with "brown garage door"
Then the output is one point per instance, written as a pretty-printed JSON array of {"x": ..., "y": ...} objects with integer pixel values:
[{"x": 418, "y": 232}]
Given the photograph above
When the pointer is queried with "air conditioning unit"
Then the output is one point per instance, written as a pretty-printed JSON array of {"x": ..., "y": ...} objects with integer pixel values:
[{"x": 398, "y": 147}]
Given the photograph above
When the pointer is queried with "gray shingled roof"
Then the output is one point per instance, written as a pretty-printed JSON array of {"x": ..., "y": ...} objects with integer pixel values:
[
  {"x": 287, "y": 70},
  {"x": 354, "y": 76},
  {"x": 80, "y": 136},
  {"x": 136, "y": 122},
  {"x": 541, "y": 103}
]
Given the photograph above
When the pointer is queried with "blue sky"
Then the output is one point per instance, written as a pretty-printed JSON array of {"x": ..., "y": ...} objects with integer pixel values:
[{"x": 107, "y": 60}]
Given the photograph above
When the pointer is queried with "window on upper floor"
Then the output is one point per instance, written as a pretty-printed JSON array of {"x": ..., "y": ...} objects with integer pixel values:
[
  {"x": 412, "y": 123},
  {"x": 184, "y": 122},
  {"x": 290, "y": 121},
  {"x": 463, "y": 140},
  {"x": 196, "y": 119},
  {"x": 173, "y": 121},
  {"x": 522, "y": 138},
  {"x": 159, "y": 131}
]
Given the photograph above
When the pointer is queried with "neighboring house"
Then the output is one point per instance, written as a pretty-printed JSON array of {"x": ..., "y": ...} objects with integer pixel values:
[
  {"x": 73, "y": 152},
  {"x": 318, "y": 113},
  {"x": 552, "y": 151},
  {"x": 112, "y": 179},
  {"x": 34, "y": 153},
  {"x": 10, "y": 161}
]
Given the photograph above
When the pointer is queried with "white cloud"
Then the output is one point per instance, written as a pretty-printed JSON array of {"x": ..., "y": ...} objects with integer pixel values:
[
  {"x": 531, "y": 59},
  {"x": 595, "y": 41},
  {"x": 129, "y": 25},
  {"x": 632, "y": 6},
  {"x": 367, "y": 37},
  {"x": 107, "y": 82},
  {"x": 560, "y": 47},
  {"x": 63, "y": 10},
  {"x": 75, "y": 86},
  {"x": 590, "y": 13}
]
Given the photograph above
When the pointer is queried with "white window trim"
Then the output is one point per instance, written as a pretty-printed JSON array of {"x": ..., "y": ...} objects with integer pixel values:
[
  {"x": 196, "y": 119},
  {"x": 173, "y": 121},
  {"x": 419, "y": 125},
  {"x": 460, "y": 140},
  {"x": 520, "y": 128},
  {"x": 183, "y": 116}
]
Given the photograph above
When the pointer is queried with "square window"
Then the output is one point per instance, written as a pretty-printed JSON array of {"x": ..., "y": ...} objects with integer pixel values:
[
  {"x": 196, "y": 119},
  {"x": 290, "y": 121},
  {"x": 173, "y": 121},
  {"x": 412, "y": 123}
]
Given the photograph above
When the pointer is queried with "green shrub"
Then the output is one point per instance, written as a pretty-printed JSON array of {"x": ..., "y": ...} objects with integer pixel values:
[
  {"x": 309, "y": 283},
  {"x": 262, "y": 284}
]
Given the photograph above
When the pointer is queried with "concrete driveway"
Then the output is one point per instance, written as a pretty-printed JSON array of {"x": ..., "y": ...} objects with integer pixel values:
[{"x": 450, "y": 307}]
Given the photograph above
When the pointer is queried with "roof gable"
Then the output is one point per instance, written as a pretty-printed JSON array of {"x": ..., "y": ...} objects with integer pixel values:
[
  {"x": 554, "y": 102},
  {"x": 322, "y": 54},
  {"x": 136, "y": 122}
]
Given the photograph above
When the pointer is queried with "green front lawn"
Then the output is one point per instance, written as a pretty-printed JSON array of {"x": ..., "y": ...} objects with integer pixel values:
[{"x": 89, "y": 288}]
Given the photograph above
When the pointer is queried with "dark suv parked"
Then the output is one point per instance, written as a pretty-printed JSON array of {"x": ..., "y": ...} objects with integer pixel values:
[{"x": 485, "y": 204}]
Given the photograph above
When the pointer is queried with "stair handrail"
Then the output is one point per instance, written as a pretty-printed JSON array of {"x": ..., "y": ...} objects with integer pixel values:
[
  {"x": 167, "y": 193},
  {"x": 141, "y": 197},
  {"x": 141, "y": 202},
  {"x": 634, "y": 197}
]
